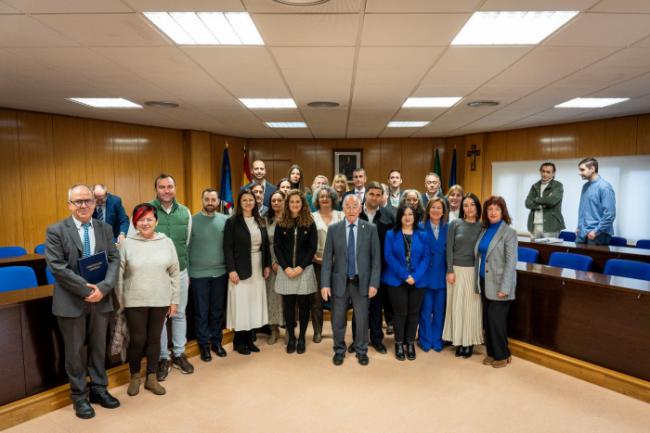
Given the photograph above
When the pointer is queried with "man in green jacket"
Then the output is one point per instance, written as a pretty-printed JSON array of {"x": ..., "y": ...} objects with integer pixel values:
[{"x": 545, "y": 203}]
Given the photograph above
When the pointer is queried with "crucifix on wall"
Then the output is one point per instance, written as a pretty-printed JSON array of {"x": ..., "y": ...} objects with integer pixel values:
[{"x": 473, "y": 154}]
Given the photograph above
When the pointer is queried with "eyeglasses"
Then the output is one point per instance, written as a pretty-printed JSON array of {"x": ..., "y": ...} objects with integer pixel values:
[{"x": 79, "y": 203}]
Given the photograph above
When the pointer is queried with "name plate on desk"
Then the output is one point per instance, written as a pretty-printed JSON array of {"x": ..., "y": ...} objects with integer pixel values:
[{"x": 93, "y": 268}]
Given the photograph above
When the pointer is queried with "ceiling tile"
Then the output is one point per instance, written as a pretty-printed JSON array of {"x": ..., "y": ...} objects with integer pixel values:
[
  {"x": 537, "y": 5},
  {"x": 186, "y": 5},
  {"x": 602, "y": 30},
  {"x": 25, "y": 31},
  {"x": 69, "y": 6},
  {"x": 308, "y": 30},
  {"x": 331, "y": 7},
  {"x": 415, "y": 6},
  {"x": 6, "y": 9},
  {"x": 423, "y": 29},
  {"x": 623, "y": 6}
]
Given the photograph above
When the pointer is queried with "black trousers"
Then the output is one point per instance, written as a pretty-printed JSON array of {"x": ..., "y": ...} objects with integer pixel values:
[
  {"x": 89, "y": 329},
  {"x": 145, "y": 326},
  {"x": 209, "y": 308},
  {"x": 316, "y": 306},
  {"x": 407, "y": 301},
  {"x": 495, "y": 324},
  {"x": 289, "y": 309}
]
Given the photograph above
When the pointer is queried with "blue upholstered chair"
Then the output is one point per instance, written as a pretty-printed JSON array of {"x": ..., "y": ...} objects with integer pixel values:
[
  {"x": 40, "y": 249},
  {"x": 48, "y": 276},
  {"x": 6, "y": 252},
  {"x": 528, "y": 255},
  {"x": 643, "y": 243},
  {"x": 568, "y": 236},
  {"x": 618, "y": 241},
  {"x": 578, "y": 262},
  {"x": 628, "y": 268},
  {"x": 17, "y": 277}
]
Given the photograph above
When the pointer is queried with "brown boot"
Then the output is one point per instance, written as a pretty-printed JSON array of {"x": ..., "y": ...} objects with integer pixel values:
[
  {"x": 273, "y": 338},
  {"x": 152, "y": 384},
  {"x": 134, "y": 385}
]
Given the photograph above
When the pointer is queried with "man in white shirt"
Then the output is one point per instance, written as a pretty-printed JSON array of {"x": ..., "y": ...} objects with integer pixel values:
[{"x": 394, "y": 192}]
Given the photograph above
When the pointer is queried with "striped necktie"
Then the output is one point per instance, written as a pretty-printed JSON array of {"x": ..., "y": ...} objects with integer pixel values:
[
  {"x": 86, "y": 227},
  {"x": 100, "y": 213}
]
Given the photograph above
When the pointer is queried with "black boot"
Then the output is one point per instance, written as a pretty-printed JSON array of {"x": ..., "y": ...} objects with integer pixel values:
[
  {"x": 301, "y": 346},
  {"x": 204, "y": 350},
  {"x": 251, "y": 346},
  {"x": 410, "y": 351},
  {"x": 469, "y": 350},
  {"x": 291, "y": 344},
  {"x": 399, "y": 351},
  {"x": 459, "y": 351}
]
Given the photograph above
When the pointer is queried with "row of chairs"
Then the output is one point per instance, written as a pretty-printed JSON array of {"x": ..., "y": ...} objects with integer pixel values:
[
  {"x": 616, "y": 241},
  {"x": 8, "y": 252},
  {"x": 580, "y": 262}
]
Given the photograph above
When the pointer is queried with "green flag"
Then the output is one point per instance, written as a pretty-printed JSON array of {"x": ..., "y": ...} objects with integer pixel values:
[{"x": 436, "y": 166}]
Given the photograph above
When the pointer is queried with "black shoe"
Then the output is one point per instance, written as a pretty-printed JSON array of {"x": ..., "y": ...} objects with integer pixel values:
[
  {"x": 379, "y": 347},
  {"x": 219, "y": 350},
  {"x": 351, "y": 348},
  {"x": 410, "y": 351},
  {"x": 291, "y": 345},
  {"x": 338, "y": 358},
  {"x": 252, "y": 347},
  {"x": 242, "y": 349},
  {"x": 390, "y": 329},
  {"x": 204, "y": 351},
  {"x": 460, "y": 350},
  {"x": 362, "y": 358},
  {"x": 399, "y": 351},
  {"x": 300, "y": 348},
  {"x": 83, "y": 409},
  {"x": 163, "y": 370},
  {"x": 469, "y": 350},
  {"x": 181, "y": 363},
  {"x": 104, "y": 399},
  {"x": 253, "y": 336}
]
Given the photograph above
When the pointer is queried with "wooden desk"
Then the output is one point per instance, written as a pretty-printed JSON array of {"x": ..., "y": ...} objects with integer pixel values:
[
  {"x": 599, "y": 253},
  {"x": 34, "y": 261},
  {"x": 599, "y": 319}
]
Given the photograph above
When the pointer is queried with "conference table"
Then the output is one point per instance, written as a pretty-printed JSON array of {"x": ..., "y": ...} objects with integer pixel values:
[
  {"x": 34, "y": 261},
  {"x": 599, "y": 253}
]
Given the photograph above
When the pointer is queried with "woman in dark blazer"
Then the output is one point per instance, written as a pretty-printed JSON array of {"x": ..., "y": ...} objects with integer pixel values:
[
  {"x": 496, "y": 274},
  {"x": 248, "y": 262},
  {"x": 407, "y": 257},
  {"x": 295, "y": 242},
  {"x": 432, "y": 314}
]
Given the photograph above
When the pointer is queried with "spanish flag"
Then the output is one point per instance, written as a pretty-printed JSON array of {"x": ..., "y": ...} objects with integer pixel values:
[{"x": 246, "y": 177}]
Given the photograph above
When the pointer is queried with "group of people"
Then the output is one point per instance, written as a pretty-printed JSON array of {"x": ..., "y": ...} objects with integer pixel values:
[{"x": 437, "y": 268}]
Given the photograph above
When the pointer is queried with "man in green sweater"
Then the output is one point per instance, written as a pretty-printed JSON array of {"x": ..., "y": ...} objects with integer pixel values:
[
  {"x": 208, "y": 275},
  {"x": 175, "y": 221}
]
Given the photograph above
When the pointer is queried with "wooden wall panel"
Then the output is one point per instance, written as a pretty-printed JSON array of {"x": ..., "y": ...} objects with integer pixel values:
[
  {"x": 391, "y": 158},
  {"x": 564, "y": 140},
  {"x": 620, "y": 136},
  {"x": 199, "y": 168},
  {"x": 69, "y": 158},
  {"x": 452, "y": 143},
  {"x": 591, "y": 139},
  {"x": 11, "y": 230},
  {"x": 417, "y": 161},
  {"x": 537, "y": 143},
  {"x": 324, "y": 159},
  {"x": 38, "y": 176},
  {"x": 305, "y": 153},
  {"x": 128, "y": 146},
  {"x": 100, "y": 164},
  {"x": 643, "y": 135},
  {"x": 473, "y": 179},
  {"x": 173, "y": 159}
]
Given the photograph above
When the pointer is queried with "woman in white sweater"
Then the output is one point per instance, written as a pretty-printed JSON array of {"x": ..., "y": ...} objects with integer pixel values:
[{"x": 148, "y": 290}]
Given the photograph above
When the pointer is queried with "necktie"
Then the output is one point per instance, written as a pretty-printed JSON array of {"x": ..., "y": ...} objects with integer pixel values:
[
  {"x": 351, "y": 253},
  {"x": 86, "y": 252},
  {"x": 100, "y": 213}
]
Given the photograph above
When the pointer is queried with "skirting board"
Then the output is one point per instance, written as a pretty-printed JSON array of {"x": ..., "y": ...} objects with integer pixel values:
[
  {"x": 601, "y": 376},
  {"x": 36, "y": 405}
]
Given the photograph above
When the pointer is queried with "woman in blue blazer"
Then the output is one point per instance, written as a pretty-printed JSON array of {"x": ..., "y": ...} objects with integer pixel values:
[
  {"x": 432, "y": 314},
  {"x": 407, "y": 256}
]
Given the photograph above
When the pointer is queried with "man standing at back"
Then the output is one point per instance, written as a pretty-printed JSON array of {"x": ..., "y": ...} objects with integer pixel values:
[
  {"x": 258, "y": 170},
  {"x": 597, "y": 209},
  {"x": 83, "y": 309},
  {"x": 175, "y": 221},
  {"x": 545, "y": 203},
  {"x": 208, "y": 276},
  {"x": 432, "y": 188},
  {"x": 351, "y": 270},
  {"x": 109, "y": 209},
  {"x": 394, "y": 191}
]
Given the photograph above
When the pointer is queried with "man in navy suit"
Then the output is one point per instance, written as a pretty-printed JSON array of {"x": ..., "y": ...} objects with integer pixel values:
[
  {"x": 258, "y": 170},
  {"x": 109, "y": 209}
]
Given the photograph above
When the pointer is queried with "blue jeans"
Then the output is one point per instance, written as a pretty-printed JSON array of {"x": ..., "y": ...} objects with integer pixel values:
[
  {"x": 179, "y": 323},
  {"x": 209, "y": 307}
]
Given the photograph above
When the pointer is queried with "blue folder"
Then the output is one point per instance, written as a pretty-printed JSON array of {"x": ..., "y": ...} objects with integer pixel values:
[{"x": 93, "y": 268}]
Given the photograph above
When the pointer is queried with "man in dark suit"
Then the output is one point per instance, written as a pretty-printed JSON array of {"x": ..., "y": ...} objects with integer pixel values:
[
  {"x": 258, "y": 170},
  {"x": 109, "y": 209},
  {"x": 432, "y": 188},
  {"x": 351, "y": 270},
  {"x": 83, "y": 309}
]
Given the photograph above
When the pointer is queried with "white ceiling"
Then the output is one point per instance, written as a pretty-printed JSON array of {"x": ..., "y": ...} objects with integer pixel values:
[{"x": 367, "y": 55}]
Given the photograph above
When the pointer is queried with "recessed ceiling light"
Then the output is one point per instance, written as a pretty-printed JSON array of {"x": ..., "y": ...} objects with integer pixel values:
[
  {"x": 590, "y": 102},
  {"x": 431, "y": 102},
  {"x": 407, "y": 124},
  {"x": 511, "y": 28},
  {"x": 161, "y": 104},
  {"x": 482, "y": 103},
  {"x": 105, "y": 102},
  {"x": 286, "y": 124},
  {"x": 268, "y": 102},
  {"x": 301, "y": 2},
  {"x": 207, "y": 28},
  {"x": 323, "y": 104}
]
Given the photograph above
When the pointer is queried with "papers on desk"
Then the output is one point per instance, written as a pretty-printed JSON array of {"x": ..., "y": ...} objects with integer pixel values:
[{"x": 549, "y": 240}]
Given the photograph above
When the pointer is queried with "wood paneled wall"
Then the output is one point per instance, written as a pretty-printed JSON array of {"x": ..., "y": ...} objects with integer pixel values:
[{"x": 42, "y": 155}]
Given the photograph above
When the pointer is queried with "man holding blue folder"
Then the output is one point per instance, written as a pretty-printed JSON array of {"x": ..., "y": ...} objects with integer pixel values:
[{"x": 80, "y": 245}]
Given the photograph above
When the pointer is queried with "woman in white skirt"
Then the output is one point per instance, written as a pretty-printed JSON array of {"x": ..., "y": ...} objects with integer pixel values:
[
  {"x": 248, "y": 262},
  {"x": 295, "y": 243},
  {"x": 463, "y": 317}
]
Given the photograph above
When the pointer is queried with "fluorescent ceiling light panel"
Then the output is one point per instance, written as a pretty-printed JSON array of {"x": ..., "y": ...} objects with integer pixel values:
[
  {"x": 431, "y": 102},
  {"x": 408, "y": 124},
  {"x": 105, "y": 102},
  {"x": 511, "y": 28},
  {"x": 286, "y": 124},
  {"x": 591, "y": 102},
  {"x": 268, "y": 102},
  {"x": 207, "y": 28}
]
